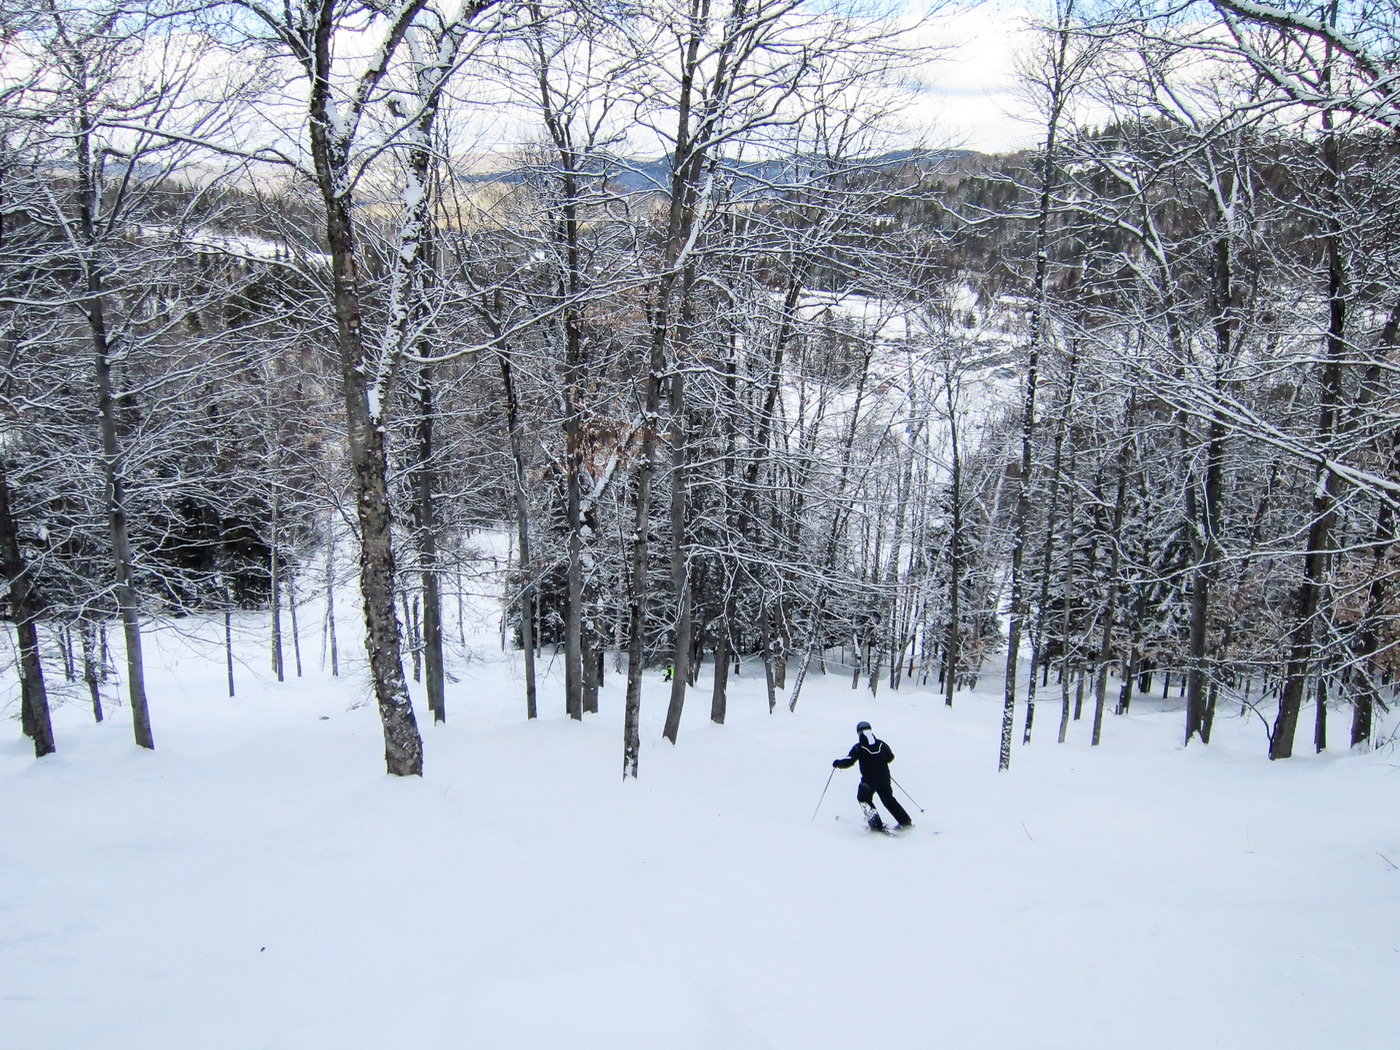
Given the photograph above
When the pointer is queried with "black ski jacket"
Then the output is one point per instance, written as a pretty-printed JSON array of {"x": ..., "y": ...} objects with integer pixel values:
[{"x": 874, "y": 758}]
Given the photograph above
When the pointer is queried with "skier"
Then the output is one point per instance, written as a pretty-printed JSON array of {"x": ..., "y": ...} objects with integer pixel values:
[{"x": 874, "y": 756}]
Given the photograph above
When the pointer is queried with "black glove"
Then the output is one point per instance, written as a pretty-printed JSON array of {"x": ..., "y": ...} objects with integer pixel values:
[{"x": 835, "y": 763}]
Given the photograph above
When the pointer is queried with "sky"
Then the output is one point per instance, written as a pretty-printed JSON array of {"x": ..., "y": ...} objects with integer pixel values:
[
  {"x": 970, "y": 98},
  {"x": 966, "y": 96}
]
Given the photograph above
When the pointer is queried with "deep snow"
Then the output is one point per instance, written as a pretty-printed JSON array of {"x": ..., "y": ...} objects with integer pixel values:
[{"x": 258, "y": 881}]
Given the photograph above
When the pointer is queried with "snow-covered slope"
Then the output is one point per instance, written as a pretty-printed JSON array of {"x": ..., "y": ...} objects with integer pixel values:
[{"x": 258, "y": 881}]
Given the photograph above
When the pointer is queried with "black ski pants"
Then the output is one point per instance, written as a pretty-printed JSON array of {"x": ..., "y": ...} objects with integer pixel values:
[{"x": 866, "y": 792}]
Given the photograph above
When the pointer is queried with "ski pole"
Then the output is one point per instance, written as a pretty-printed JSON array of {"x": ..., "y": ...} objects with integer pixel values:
[
  {"x": 823, "y": 798},
  {"x": 910, "y": 797}
]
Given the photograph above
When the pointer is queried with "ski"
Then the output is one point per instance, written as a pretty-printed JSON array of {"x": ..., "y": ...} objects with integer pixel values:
[{"x": 893, "y": 832}]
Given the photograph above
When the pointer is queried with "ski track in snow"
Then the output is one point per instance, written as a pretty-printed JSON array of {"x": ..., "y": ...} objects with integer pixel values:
[{"x": 259, "y": 882}]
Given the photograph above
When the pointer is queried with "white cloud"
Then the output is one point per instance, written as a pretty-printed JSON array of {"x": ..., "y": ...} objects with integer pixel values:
[{"x": 969, "y": 96}]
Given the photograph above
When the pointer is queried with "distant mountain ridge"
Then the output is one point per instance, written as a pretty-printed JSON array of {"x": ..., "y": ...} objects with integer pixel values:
[{"x": 641, "y": 175}]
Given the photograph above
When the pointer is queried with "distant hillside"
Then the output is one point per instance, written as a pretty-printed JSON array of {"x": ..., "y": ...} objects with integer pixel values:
[{"x": 641, "y": 175}]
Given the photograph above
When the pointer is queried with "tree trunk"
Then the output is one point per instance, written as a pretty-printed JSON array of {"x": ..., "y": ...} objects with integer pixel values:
[
  {"x": 88, "y": 192},
  {"x": 951, "y": 654},
  {"x": 65, "y": 639},
  {"x": 636, "y": 637},
  {"x": 592, "y": 651},
  {"x": 1064, "y": 701},
  {"x": 573, "y": 608},
  {"x": 228, "y": 647},
  {"x": 1065, "y": 616},
  {"x": 1037, "y": 634},
  {"x": 403, "y": 746},
  {"x": 88, "y": 634},
  {"x": 1021, "y": 514},
  {"x": 425, "y": 515},
  {"x": 765, "y": 636},
  {"x": 1320, "y": 725},
  {"x": 1125, "y": 688},
  {"x": 719, "y": 699},
  {"x": 682, "y": 571},
  {"x": 330, "y": 600},
  {"x": 1369, "y": 633},
  {"x": 731, "y": 513},
  {"x": 591, "y": 640},
  {"x": 275, "y": 576},
  {"x": 34, "y": 698},
  {"x": 526, "y": 596},
  {"x": 747, "y": 509},
  {"x": 1306, "y": 600},
  {"x": 1203, "y": 577},
  {"x": 1206, "y": 517},
  {"x": 1209, "y": 722},
  {"x": 1363, "y": 707},
  {"x": 687, "y": 163},
  {"x": 1058, "y": 89},
  {"x": 407, "y": 620},
  {"x": 1115, "y": 546},
  {"x": 115, "y": 489},
  {"x": 292, "y": 610},
  {"x": 838, "y": 525}
]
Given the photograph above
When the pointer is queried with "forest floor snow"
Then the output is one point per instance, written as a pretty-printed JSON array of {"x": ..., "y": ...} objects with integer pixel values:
[{"x": 258, "y": 881}]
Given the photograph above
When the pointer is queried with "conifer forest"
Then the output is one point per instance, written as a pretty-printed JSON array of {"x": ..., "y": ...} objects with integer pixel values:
[{"x": 752, "y": 368}]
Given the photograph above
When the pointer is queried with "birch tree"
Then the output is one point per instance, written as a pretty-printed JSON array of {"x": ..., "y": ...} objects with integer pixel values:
[{"x": 344, "y": 55}]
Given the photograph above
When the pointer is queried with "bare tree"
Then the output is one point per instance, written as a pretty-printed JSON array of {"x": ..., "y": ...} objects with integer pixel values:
[
  {"x": 1059, "y": 76},
  {"x": 122, "y": 103},
  {"x": 339, "y": 94},
  {"x": 34, "y": 701},
  {"x": 1329, "y": 55},
  {"x": 728, "y": 78}
]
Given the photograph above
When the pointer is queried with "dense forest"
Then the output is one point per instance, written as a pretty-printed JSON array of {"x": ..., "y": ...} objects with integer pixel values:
[{"x": 746, "y": 375}]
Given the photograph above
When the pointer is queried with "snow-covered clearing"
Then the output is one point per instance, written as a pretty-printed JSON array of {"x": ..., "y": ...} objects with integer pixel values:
[{"x": 259, "y": 882}]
